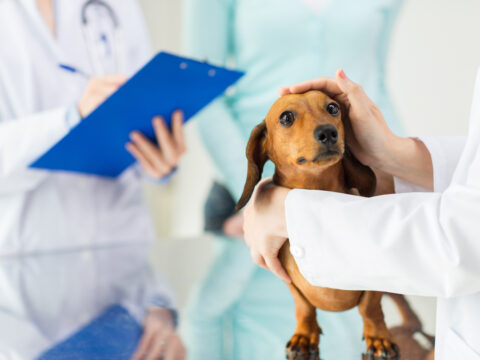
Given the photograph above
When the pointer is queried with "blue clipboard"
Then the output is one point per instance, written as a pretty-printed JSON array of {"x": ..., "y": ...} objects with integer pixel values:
[
  {"x": 167, "y": 83},
  {"x": 113, "y": 335}
]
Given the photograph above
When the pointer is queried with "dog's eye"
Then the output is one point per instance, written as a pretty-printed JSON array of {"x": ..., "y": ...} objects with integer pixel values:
[
  {"x": 333, "y": 109},
  {"x": 287, "y": 118}
]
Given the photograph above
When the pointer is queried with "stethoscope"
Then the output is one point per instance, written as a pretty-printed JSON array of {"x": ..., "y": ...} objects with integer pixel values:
[{"x": 111, "y": 44}]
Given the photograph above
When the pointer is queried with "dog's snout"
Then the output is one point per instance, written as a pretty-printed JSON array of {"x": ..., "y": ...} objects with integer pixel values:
[{"x": 326, "y": 135}]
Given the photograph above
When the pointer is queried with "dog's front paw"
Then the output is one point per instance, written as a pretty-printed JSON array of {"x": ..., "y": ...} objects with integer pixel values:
[
  {"x": 301, "y": 347},
  {"x": 381, "y": 349}
]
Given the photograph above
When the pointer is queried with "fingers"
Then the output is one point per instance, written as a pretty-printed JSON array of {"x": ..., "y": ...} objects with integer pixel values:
[
  {"x": 149, "y": 155},
  {"x": 165, "y": 141},
  {"x": 138, "y": 155},
  {"x": 157, "y": 348},
  {"x": 103, "y": 92},
  {"x": 177, "y": 130},
  {"x": 270, "y": 262},
  {"x": 159, "y": 160},
  {"x": 171, "y": 144},
  {"x": 258, "y": 259},
  {"x": 175, "y": 349},
  {"x": 275, "y": 266},
  {"x": 355, "y": 93},
  {"x": 143, "y": 346},
  {"x": 114, "y": 79},
  {"x": 325, "y": 84}
]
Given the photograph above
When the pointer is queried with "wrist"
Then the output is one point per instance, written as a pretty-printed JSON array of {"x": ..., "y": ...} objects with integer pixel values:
[
  {"x": 409, "y": 159},
  {"x": 392, "y": 159}
]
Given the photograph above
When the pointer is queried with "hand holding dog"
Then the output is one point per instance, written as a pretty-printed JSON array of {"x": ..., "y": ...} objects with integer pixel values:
[
  {"x": 369, "y": 136},
  {"x": 265, "y": 229}
]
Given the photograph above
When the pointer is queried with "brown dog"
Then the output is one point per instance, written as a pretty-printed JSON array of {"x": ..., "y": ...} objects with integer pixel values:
[{"x": 304, "y": 136}]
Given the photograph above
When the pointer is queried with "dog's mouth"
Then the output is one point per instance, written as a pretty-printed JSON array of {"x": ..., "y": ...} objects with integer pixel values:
[
  {"x": 321, "y": 156},
  {"x": 327, "y": 154}
]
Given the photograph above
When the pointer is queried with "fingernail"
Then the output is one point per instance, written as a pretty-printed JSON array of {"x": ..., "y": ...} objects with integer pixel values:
[
  {"x": 342, "y": 74},
  {"x": 157, "y": 121},
  {"x": 178, "y": 114},
  {"x": 134, "y": 135}
]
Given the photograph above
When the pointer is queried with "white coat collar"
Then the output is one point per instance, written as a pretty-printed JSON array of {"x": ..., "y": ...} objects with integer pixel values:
[{"x": 37, "y": 23}]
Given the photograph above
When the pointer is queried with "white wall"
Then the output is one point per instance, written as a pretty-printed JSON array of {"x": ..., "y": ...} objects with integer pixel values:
[{"x": 434, "y": 56}]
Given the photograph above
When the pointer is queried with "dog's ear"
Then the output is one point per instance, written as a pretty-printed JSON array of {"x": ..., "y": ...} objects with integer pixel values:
[
  {"x": 257, "y": 157},
  {"x": 357, "y": 175}
]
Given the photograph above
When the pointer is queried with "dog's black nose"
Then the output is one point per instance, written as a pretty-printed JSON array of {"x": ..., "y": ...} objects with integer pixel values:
[{"x": 326, "y": 135}]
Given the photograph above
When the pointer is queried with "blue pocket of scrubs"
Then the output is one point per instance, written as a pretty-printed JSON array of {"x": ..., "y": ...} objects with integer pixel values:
[{"x": 113, "y": 335}]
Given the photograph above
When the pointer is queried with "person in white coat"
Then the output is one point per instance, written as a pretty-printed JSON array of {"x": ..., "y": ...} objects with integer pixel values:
[
  {"x": 424, "y": 240},
  {"x": 45, "y": 211}
]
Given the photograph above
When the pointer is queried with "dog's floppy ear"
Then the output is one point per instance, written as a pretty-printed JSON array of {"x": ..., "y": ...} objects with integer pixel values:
[
  {"x": 257, "y": 157},
  {"x": 357, "y": 175}
]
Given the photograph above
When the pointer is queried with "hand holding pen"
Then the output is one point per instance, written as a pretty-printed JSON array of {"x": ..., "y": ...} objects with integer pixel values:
[{"x": 98, "y": 89}]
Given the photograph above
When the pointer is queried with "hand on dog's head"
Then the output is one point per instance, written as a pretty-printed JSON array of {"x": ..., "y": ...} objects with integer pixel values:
[{"x": 302, "y": 134}]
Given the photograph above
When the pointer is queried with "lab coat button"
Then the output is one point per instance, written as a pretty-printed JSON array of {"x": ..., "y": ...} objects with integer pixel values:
[{"x": 297, "y": 252}]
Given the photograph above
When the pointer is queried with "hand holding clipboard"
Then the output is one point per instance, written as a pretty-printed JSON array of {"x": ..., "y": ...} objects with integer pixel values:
[{"x": 165, "y": 84}]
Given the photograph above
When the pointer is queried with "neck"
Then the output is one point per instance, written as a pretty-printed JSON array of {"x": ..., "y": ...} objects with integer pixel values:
[
  {"x": 330, "y": 178},
  {"x": 46, "y": 10}
]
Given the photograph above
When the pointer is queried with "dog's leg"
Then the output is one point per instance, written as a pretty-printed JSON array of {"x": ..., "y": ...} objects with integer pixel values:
[
  {"x": 378, "y": 339},
  {"x": 304, "y": 343}
]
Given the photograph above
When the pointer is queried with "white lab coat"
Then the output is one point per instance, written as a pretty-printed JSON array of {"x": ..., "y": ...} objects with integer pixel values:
[
  {"x": 42, "y": 210},
  {"x": 412, "y": 243}
]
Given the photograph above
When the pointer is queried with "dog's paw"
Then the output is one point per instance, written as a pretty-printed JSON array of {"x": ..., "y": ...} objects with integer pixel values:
[
  {"x": 381, "y": 349},
  {"x": 301, "y": 347}
]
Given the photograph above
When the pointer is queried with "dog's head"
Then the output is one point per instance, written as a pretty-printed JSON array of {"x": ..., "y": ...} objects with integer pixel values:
[{"x": 304, "y": 134}]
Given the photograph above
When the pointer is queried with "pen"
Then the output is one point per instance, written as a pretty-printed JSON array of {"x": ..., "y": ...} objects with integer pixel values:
[{"x": 74, "y": 70}]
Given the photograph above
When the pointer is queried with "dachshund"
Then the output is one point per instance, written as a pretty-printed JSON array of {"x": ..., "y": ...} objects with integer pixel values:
[{"x": 304, "y": 136}]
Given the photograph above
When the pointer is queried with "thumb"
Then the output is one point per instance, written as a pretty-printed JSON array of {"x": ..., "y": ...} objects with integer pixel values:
[
  {"x": 354, "y": 92},
  {"x": 345, "y": 84}
]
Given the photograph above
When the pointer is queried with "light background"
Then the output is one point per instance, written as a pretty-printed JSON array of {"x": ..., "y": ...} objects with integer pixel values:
[{"x": 432, "y": 64}]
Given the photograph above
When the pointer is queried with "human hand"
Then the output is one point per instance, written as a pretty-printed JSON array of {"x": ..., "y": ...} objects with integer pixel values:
[
  {"x": 369, "y": 136},
  {"x": 159, "y": 340},
  {"x": 97, "y": 91},
  {"x": 233, "y": 226},
  {"x": 159, "y": 160},
  {"x": 265, "y": 229}
]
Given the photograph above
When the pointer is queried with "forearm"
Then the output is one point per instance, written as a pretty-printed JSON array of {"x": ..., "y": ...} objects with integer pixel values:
[
  {"x": 408, "y": 159},
  {"x": 23, "y": 140},
  {"x": 407, "y": 243}
]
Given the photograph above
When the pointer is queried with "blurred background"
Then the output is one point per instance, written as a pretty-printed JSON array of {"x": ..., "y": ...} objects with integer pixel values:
[{"x": 431, "y": 70}]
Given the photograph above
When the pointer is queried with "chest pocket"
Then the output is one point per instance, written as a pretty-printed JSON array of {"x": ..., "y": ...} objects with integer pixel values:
[{"x": 457, "y": 348}]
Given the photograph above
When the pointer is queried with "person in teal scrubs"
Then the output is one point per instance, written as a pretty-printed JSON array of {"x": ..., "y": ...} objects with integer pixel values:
[{"x": 241, "y": 311}]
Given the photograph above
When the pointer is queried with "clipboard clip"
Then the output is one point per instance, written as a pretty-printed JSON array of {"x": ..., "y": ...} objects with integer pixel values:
[{"x": 211, "y": 72}]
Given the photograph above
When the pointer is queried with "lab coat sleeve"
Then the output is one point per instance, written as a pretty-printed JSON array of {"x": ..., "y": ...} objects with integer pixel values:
[
  {"x": 208, "y": 36},
  {"x": 24, "y": 139},
  {"x": 412, "y": 243}
]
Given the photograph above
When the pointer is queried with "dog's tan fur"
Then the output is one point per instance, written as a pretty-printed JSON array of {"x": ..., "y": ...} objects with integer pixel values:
[{"x": 337, "y": 171}]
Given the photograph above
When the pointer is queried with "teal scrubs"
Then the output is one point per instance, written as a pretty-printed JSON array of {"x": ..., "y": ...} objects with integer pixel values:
[{"x": 240, "y": 311}]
